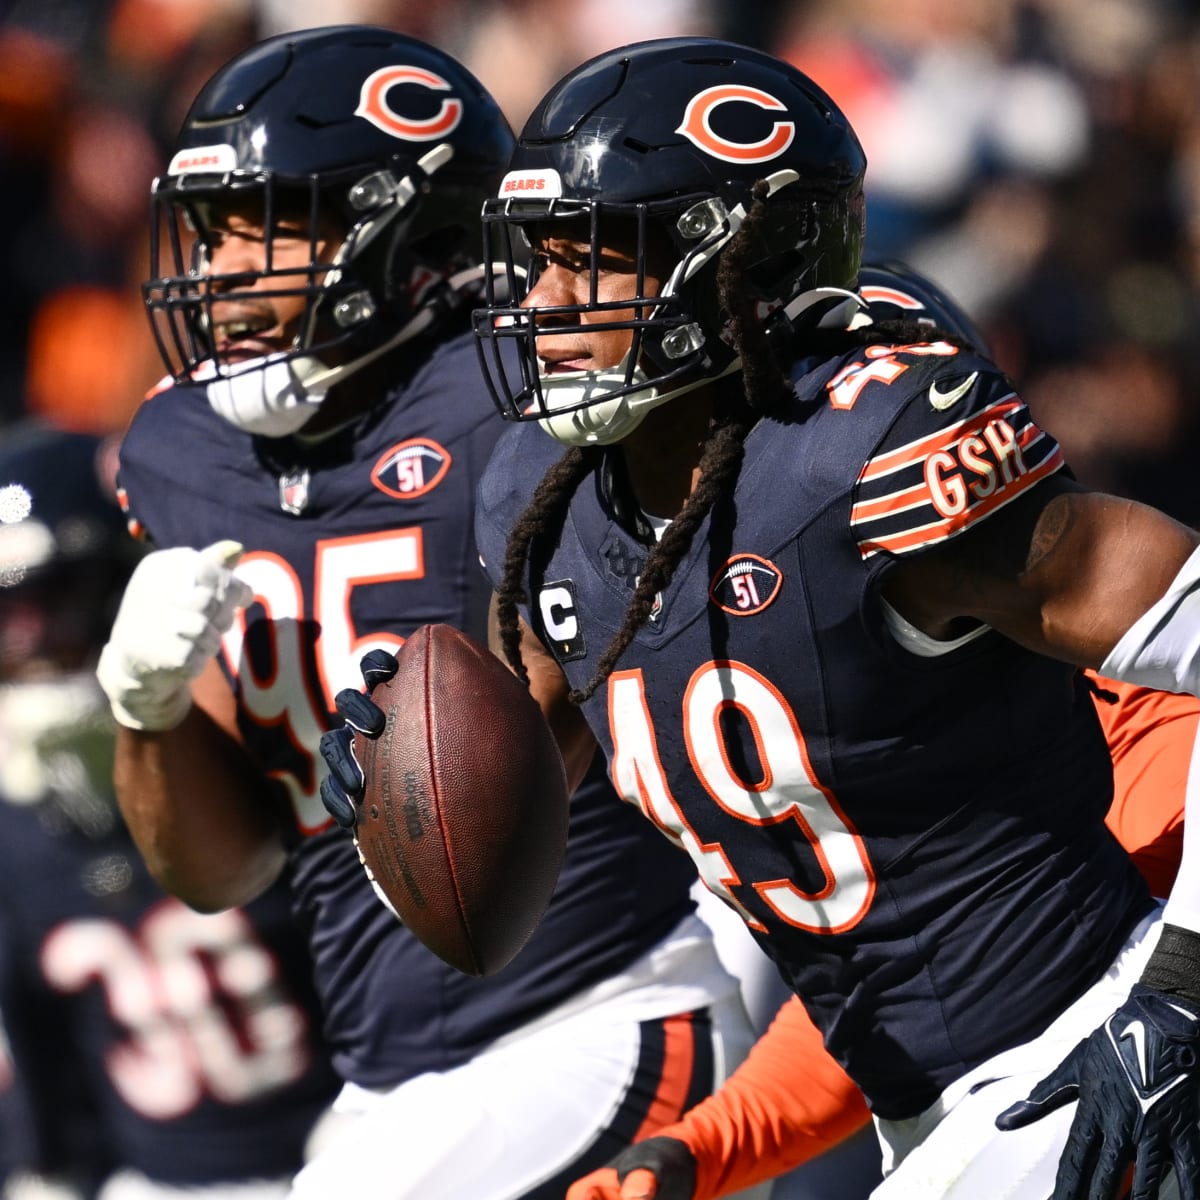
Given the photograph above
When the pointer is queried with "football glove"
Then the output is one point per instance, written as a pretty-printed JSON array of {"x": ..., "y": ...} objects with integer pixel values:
[
  {"x": 342, "y": 789},
  {"x": 177, "y": 605},
  {"x": 1137, "y": 1081},
  {"x": 660, "y": 1168}
]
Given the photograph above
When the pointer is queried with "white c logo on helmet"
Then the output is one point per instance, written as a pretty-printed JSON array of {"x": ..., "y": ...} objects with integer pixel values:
[
  {"x": 373, "y": 105},
  {"x": 697, "y": 126}
]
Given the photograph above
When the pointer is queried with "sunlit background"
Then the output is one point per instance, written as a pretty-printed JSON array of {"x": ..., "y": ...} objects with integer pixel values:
[{"x": 1040, "y": 158}]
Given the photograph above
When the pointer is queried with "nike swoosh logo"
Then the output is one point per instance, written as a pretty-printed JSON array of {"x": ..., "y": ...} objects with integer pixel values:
[
  {"x": 1136, "y": 1032},
  {"x": 944, "y": 400}
]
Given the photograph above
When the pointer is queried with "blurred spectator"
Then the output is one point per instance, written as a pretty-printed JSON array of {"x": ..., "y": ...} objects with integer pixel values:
[
  {"x": 518, "y": 48},
  {"x": 1041, "y": 160},
  {"x": 84, "y": 89},
  {"x": 944, "y": 96}
]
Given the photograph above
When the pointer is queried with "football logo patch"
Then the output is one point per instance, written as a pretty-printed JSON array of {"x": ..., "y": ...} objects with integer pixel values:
[
  {"x": 412, "y": 468},
  {"x": 745, "y": 585}
]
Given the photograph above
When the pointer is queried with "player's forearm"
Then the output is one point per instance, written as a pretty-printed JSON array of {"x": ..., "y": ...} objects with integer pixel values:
[
  {"x": 786, "y": 1104},
  {"x": 202, "y": 817},
  {"x": 548, "y": 686}
]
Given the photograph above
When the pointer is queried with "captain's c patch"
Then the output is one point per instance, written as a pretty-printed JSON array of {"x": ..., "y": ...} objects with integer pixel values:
[
  {"x": 559, "y": 615},
  {"x": 745, "y": 585}
]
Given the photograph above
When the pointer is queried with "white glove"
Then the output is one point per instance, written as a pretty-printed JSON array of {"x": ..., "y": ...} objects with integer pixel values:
[{"x": 176, "y": 606}]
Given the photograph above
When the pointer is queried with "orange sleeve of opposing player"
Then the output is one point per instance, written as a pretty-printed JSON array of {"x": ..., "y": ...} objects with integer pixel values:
[
  {"x": 1150, "y": 736},
  {"x": 787, "y": 1103}
]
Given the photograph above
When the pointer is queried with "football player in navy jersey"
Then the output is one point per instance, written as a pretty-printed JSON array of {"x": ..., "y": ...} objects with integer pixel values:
[
  {"x": 308, "y": 481},
  {"x": 144, "y": 1041},
  {"x": 844, "y": 676},
  {"x": 769, "y": 1116}
]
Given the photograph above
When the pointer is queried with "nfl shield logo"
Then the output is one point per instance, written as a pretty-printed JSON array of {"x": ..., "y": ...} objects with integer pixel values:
[{"x": 293, "y": 492}]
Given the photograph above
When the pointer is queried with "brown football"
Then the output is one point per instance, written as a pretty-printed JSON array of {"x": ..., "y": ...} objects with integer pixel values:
[{"x": 464, "y": 820}]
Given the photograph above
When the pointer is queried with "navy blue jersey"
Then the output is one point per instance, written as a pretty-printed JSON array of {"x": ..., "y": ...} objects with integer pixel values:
[
  {"x": 918, "y": 840},
  {"x": 353, "y": 544},
  {"x": 142, "y": 1034}
]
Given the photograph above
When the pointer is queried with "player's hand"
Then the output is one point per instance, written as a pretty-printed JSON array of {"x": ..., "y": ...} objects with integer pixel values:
[
  {"x": 343, "y": 787},
  {"x": 1137, "y": 1080},
  {"x": 176, "y": 607},
  {"x": 660, "y": 1168}
]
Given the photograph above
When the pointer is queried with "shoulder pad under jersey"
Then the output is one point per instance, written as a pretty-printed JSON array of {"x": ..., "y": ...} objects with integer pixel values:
[
  {"x": 522, "y": 456},
  {"x": 959, "y": 444}
]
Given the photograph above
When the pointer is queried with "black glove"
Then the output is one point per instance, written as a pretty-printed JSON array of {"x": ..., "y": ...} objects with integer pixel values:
[
  {"x": 1138, "y": 1085},
  {"x": 668, "y": 1158},
  {"x": 342, "y": 789}
]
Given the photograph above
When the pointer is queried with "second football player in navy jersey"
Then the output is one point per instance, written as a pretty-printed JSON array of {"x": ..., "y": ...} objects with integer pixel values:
[
  {"x": 325, "y": 433},
  {"x": 393, "y": 1009}
]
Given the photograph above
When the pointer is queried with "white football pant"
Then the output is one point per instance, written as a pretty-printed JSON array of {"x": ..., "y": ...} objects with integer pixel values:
[{"x": 542, "y": 1106}]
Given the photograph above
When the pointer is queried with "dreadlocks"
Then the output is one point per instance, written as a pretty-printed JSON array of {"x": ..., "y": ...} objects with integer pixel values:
[
  {"x": 545, "y": 510},
  {"x": 764, "y": 386}
]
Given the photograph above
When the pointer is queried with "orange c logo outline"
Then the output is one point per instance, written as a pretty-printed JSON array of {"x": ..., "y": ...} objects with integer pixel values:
[
  {"x": 872, "y": 292},
  {"x": 696, "y": 126},
  {"x": 373, "y": 105}
]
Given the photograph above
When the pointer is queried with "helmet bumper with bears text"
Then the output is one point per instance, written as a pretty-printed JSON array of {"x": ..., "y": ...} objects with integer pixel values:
[
  {"x": 393, "y": 139},
  {"x": 668, "y": 139}
]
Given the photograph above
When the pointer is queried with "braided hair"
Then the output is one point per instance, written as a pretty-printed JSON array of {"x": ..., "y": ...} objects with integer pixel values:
[
  {"x": 764, "y": 388},
  {"x": 546, "y": 509}
]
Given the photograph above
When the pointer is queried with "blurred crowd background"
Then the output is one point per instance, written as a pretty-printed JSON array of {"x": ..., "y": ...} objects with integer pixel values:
[{"x": 1040, "y": 158}]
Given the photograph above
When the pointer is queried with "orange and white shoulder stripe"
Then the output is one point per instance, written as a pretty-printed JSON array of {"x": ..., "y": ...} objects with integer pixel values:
[{"x": 937, "y": 485}]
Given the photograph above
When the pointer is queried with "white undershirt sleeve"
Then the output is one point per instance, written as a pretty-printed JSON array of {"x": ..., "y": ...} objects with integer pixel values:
[{"x": 1162, "y": 650}]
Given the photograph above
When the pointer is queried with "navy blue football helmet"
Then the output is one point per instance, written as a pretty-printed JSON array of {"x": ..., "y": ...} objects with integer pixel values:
[
  {"x": 391, "y": 136},
  {"x": 669, "y": 138},
  {"x": 893, "y": 291}
]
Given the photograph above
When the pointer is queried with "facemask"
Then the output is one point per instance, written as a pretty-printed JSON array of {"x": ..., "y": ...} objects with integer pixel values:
[
  {"x": 603, "y": 421},
  {"x": 268, "y": 397},
  {"x": 276, "y": 397}
]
